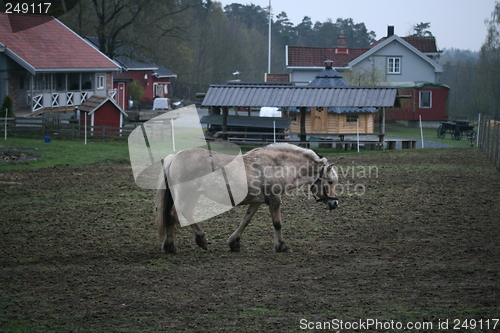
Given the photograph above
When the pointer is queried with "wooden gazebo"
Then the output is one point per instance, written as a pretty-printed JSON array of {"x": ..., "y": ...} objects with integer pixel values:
[{"x": 219, "y": 98}]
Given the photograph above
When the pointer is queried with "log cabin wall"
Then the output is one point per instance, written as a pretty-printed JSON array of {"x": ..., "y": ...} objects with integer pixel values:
[{"x": 338, "y": 124}]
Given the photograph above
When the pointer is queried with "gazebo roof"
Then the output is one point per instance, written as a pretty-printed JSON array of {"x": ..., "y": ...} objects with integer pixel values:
[{"x": 286, "y": 96}]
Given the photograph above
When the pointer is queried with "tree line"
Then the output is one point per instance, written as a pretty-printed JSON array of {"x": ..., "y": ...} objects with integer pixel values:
[
  {"x": 474, "y": 77},
  {"x": 202, "y": 42}
]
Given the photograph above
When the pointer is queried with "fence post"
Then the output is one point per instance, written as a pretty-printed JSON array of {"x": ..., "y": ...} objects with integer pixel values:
[{"x": 496, "y": 133}]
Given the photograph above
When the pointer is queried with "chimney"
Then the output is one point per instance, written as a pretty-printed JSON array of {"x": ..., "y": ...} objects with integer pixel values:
[
  {"x": 390, "y": 30},
  {"x": 342, "y": 44}
]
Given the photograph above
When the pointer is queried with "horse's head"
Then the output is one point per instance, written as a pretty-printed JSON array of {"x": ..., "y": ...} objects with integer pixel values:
[{"x": 324, "y": 187}]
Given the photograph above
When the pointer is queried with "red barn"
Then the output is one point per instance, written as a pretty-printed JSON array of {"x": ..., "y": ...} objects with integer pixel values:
[
  {"x": 101, "y": 111},
  {"x": 427, "y": 99}
]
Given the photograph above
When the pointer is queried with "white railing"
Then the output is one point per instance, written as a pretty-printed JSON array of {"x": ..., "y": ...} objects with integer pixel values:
[
  {"x": 55, "y": 100},
  {"x": 49, "y": 100},
  {"x": 38, "y": 102}
]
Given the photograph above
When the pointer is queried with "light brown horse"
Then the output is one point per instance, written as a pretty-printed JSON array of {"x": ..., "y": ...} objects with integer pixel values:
[{"x": 267, "y": 174}]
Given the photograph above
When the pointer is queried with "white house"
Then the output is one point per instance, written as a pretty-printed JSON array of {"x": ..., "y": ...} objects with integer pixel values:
[{"x": 390, "y": 61}]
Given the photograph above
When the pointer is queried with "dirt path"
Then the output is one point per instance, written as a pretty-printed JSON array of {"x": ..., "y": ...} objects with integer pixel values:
[{"x": 416, "y": 238}]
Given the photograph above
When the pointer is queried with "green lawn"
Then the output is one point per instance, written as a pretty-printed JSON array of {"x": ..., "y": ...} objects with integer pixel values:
[
  {"x": 62, "y": 152},
  {"x": 399, "y": 131}
]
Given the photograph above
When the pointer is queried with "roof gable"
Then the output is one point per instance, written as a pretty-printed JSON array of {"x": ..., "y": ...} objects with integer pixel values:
[
  {"x": 394, "y": 38},
  {"x": 49, "y": 45},
  {"x": 94, "y": 102},
  {"x": 306, "y": 56}
]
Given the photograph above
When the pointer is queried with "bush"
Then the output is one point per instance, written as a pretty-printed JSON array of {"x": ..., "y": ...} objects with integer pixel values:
[
  {"x": 7, "y": 104},
  {"x": 135, "y": 91}
]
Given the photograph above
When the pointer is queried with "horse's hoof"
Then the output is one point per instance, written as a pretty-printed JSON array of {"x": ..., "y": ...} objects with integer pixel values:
[
  {"x": 282, "y": 248},
  {"x": 234, "y": 245},
  {"x": 201, "y": 241},
  {"x": 169, "y": 248}
]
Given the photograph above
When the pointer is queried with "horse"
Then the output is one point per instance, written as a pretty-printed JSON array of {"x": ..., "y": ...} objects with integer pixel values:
[{"x": 270, "y": 172}]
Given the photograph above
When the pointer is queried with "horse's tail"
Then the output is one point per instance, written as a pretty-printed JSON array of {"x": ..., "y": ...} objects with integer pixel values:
[{"x": 166, "y": 216}]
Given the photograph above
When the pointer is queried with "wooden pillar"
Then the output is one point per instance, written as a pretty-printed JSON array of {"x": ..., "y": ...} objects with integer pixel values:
[
  {"x": 303, "y": 135},
  {"x": 225, "y": 111},
  {"x": 382, "y": 127},
  {"x": 382, "y": 121}
]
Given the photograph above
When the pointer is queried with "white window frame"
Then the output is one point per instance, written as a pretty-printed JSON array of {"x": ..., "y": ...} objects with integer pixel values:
[
  {"x": 394, "y": 65},
  {"x": 420, "y": 99},
  {"x": 101, "y": 82}
]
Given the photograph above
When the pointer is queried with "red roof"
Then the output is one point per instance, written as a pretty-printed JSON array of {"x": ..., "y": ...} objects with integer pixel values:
[
  {"x": 49, "y": 44},
  {"x": 423, "y": 44},
  {"x": 316, "y": 56}
]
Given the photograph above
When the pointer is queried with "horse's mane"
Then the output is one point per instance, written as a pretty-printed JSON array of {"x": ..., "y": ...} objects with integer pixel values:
[{"x": 283, "y": 146}]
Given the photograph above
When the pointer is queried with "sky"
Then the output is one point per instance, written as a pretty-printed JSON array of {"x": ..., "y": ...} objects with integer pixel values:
[{"x": 455, "y": 23}]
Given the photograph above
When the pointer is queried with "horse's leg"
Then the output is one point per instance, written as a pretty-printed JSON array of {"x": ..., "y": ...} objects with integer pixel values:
[
  {"x": 199, "y": 236},
  {"x": 279, "y": 243},
  {"x": 234, "y": 240},
  {"x": 168, "y": 245},
  {"x": 188, "y": 213}
]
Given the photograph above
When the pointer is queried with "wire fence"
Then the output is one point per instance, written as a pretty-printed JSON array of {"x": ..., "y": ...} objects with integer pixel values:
[{"x": 489, "y": 138}]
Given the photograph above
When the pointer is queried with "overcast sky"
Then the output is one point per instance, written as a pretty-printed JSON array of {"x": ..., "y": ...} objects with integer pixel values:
[{"x": 454, "y": 23}]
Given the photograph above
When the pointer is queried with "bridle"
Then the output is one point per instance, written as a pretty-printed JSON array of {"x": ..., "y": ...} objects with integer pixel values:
[{"x": 319, "y": 180}]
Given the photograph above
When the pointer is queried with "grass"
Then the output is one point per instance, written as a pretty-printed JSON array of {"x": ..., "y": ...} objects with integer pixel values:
[
  {"x": 65, "y": 152},
  {"x": 399, "y": 131},
  {"x": 62, "y": 152}
]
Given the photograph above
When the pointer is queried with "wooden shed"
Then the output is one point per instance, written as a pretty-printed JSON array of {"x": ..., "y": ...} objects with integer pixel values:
[
  {"x": 427, "y": 100},
  {"x": 336, "y": 120},
  {"x": 101, "y": 113}
]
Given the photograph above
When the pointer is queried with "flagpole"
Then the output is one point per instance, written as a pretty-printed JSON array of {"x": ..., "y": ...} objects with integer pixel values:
[{"x": 269, "y": 46}]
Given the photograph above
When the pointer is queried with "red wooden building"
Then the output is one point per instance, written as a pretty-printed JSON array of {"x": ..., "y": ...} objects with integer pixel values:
[
  {"x": 155, "y": 79},
  {"x": 100, "y": 111},
  {"x": 425, "y": 99}
]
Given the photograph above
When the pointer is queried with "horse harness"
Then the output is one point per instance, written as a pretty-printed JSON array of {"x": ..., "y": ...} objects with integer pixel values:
[{"x": 325, "y": 187}]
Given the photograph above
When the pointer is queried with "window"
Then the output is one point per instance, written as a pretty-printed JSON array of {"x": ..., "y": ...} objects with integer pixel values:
[
  {"x": 43, "y": 82},
  {"x": 425, "y": 100},
  {"x": 394, "y": 65},
  {"x": 87, "y": 81},
  {"x": 351, "y": 118},
  {"x": 100, "y": 82}
]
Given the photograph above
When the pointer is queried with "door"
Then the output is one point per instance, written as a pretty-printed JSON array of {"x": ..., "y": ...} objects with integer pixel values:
[
  {"x": 121, "y": 98},
  {"x": 319, "y": 119}
]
